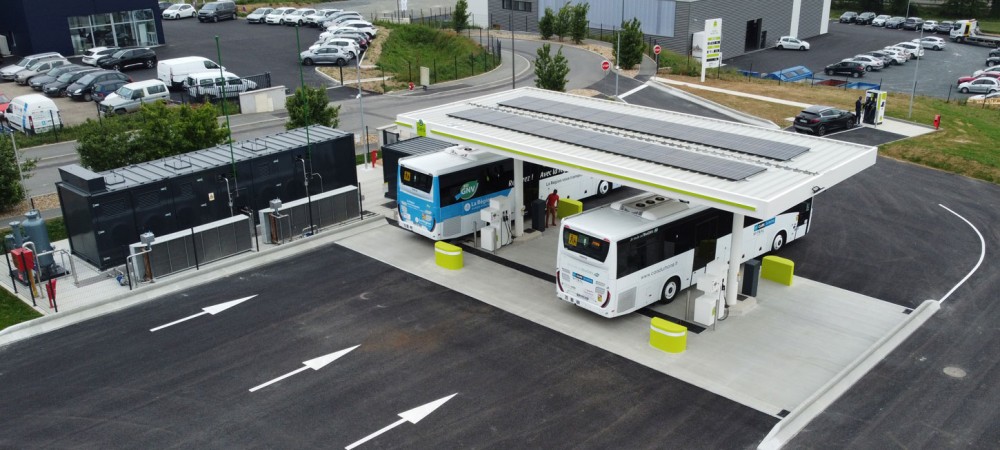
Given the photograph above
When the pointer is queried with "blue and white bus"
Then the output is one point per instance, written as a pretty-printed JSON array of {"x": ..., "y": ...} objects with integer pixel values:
[
  {"x": 619, "y": 258},
  {"x": 439, "y": 195}
]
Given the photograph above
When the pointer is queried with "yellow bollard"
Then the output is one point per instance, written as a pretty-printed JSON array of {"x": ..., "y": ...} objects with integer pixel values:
[
  {"x": 667, "y": 336},
  {"x": 447, "y": 255},
  {"x": 777, "y": 269}
]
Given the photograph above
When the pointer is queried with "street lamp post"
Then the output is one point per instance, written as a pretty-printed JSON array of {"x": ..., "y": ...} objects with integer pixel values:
[
  {"x": 229, "y": 130},
  {"x": 916, "y": 70},
  {"x": 361, "y": 103},
  {"x": 618, "y": 53},
  {"x": 305, "y": 175}
]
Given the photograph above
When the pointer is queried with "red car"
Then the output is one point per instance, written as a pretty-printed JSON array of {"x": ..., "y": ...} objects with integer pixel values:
[
  {"x": 4, "y": 102},
  {"x": 984, "y": 74}
]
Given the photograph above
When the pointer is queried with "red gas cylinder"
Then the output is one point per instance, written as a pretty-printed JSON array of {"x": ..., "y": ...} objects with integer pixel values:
[{"x": 937, "y": 121}]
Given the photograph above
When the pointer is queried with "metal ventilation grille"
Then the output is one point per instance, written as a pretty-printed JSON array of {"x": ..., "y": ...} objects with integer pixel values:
[
  {"x": 670, "y": 130},
  {"x": 659, "y": 154}
]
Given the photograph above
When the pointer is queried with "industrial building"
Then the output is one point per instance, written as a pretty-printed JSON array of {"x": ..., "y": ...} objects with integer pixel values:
[
  {"x": 746, "y": 25},
  {"x": 71, "y": 27}
]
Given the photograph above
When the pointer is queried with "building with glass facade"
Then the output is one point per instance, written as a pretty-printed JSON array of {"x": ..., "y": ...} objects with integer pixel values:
[{"x": 71, "y": 27}]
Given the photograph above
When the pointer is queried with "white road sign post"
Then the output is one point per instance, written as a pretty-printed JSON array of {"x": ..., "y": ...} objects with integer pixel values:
[{"x": 711, "y": 57}]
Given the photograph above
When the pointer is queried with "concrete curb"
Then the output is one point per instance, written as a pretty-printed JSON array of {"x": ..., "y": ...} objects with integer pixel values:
[
  {"x": 725, "y": 110},
  {"x": 177, "y": 283},
  {"x": 820, "y": 400}
]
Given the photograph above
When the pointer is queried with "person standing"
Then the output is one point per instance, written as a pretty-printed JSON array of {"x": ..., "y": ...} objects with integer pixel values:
[
  {"x": 857, "y": 112},
  {"x": 551, "y": 203}
]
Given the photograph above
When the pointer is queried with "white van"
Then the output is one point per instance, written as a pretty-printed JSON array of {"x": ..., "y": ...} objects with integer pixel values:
[
  {"x": 209, "y": 86},
  {"x": 173, "y": 72},
  {"x": 33, "y": 113},
  {"x": 130, "y": 97}
]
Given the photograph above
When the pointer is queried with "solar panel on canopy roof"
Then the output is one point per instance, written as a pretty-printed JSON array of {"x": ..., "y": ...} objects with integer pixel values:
[
  {"x": 671, "y": 130},
  {"x": 655, "y": 153}
]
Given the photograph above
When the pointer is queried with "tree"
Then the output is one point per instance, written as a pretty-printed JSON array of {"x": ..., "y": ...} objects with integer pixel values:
[
  {"x": 965, "y": 8},
  {"x": 309, "y": 106},
  {"x": 563, "y": 22},
  {"x": 579, "y": 25},
  {"x": 157, "y": 131},
  {"x": 460, "y": 18},
  {"x": 550, "y": 73},
  {"x": 11, "y": 192},
  {"x": 632, "y": 45},
  {"x": 546, "y": 25}
]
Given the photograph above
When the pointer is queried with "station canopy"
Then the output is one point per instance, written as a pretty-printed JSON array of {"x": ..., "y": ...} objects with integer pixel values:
[{"x": 745, "y": 169}]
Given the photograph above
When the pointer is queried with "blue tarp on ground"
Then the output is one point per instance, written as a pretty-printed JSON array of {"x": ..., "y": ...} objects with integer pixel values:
[{"x": 796, "y": 73}]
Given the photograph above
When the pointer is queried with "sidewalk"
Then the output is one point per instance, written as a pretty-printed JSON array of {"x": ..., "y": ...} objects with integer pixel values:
[{"x": 892, "y": 125}]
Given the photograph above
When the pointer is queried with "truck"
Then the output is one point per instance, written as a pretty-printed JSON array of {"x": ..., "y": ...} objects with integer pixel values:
[{"x": 968, "y": 31}]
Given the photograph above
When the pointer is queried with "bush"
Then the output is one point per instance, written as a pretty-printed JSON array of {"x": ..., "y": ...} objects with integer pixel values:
[
  {"x": 310, "y": 106},
  {"x": 546, "y": 25}
]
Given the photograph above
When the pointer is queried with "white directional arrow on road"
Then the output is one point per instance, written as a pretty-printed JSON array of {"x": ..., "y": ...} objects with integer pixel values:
[
  {"x": 314, "y": 364},
  {"x": 213, "y": 310},
  {"x": 413, "y": 416}
]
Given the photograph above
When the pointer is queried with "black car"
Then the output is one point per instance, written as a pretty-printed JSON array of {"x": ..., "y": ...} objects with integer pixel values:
[
  {"x": 58, "y": 87},
  {"x": 995, "y": 52},
  {"x": 821, "y": 119},
  {"x": 849, "y": 17},
  {"x": 128, "y": 58},
  {"x": 851, "y": 68},
  {"x": 895, "y": 22},
  {"x": 865, "y": 18},
  {"x": 81, "y": 89},
  {"x": 216, "y": 11},
  {"x": 993, "y": 61},
  {"x": 101, "y": 89},
  {"x": 38, "y": 81},
  {"x": 944, "y": 27},
  {"x": 165, "y": 5}
]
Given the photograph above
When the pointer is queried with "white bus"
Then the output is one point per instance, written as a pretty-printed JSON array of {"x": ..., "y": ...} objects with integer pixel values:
[
  {"x": 619, "y": 258},
  {"x": 439, "y": 195}
]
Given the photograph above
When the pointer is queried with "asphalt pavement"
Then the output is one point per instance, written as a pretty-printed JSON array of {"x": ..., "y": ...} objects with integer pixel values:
[
  {"x": 111, "y": 382},
  {"x": 935, "y": 74}
]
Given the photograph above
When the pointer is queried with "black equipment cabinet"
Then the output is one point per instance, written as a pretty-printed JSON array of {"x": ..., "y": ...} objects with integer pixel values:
[{"x": 107, "y": 211}]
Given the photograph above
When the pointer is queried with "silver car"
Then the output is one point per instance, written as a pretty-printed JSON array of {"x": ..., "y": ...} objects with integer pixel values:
[
  {"x": 985, "y": 85},
  {"x": 325, "y": 55},
  {"x": 38, "y": 68}
]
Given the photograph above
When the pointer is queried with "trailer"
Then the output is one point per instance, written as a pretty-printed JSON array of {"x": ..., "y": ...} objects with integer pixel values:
[{"x": 967, "y": 31}]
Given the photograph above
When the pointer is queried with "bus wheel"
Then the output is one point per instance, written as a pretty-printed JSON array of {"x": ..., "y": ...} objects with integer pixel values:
[
  {"x": 603, "y": 188},
  {"x": 779, "y": 241},
  {"x": 670, "y": 290}
]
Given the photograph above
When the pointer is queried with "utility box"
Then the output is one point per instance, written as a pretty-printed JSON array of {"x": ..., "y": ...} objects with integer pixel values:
[
  {"x": 751, "y": 278},
  {"x": 425, "y": 76},
  {"x": 536, "y": 211}
]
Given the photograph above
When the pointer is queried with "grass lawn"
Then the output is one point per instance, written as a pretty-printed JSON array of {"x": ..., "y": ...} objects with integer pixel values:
[
  {"x": 13, "y": 310},
  {"x": 964, "y": 145}
]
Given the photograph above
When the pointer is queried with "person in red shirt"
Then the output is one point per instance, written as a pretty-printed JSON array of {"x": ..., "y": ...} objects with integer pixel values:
[{"x": 551, "y": 202}]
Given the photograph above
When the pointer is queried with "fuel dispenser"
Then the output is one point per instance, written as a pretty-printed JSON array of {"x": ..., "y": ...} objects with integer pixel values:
[
  {"x": 496, "y": 233},
  {"x": 873, "y": 112}
]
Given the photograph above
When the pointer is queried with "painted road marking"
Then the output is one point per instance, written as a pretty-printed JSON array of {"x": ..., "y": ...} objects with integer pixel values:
[
  {"x": 213, "y": 310},
  {"x": 314, "y": 364}
]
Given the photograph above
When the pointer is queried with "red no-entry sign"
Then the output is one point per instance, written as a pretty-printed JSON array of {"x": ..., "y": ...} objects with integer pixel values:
[
  {"x": 656, "y": 49},
  {"x": 605, "y": 65}
]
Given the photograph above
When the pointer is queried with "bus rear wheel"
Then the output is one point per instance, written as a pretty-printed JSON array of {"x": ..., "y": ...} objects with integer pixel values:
[
  {"x": 670, "y": 290},
  {"x": 603, "y": 188},
  {"x": 778, "y": 242}
]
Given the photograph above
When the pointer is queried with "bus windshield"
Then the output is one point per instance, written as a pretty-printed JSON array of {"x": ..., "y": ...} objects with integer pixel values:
[
  {"x": 419, "y": 181},
  {"x": 585, "y": 244}
]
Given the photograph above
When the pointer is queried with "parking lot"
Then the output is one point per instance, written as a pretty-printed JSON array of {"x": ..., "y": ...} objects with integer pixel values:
[
  {"x": 246, "y": 50},
  {"x": 935, "y": 74}
]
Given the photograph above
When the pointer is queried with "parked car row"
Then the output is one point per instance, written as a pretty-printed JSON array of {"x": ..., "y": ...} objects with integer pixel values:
[
  {"x": 898, "y": 22},
  {"x": 900, "y": 53},
  {"x": 55, "y": 76}
]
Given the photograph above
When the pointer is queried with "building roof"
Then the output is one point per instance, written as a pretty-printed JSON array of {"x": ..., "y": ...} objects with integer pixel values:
[{"x": 680, "y": 166}]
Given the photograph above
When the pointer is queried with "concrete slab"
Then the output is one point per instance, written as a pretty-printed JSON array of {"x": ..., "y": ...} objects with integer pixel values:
[{"x": 772, "y": 359}]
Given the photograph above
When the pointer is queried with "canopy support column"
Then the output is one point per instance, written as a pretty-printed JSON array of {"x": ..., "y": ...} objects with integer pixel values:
[
  {"x": 518, "y": 210},
  {"x": 735, "y": 260}
]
